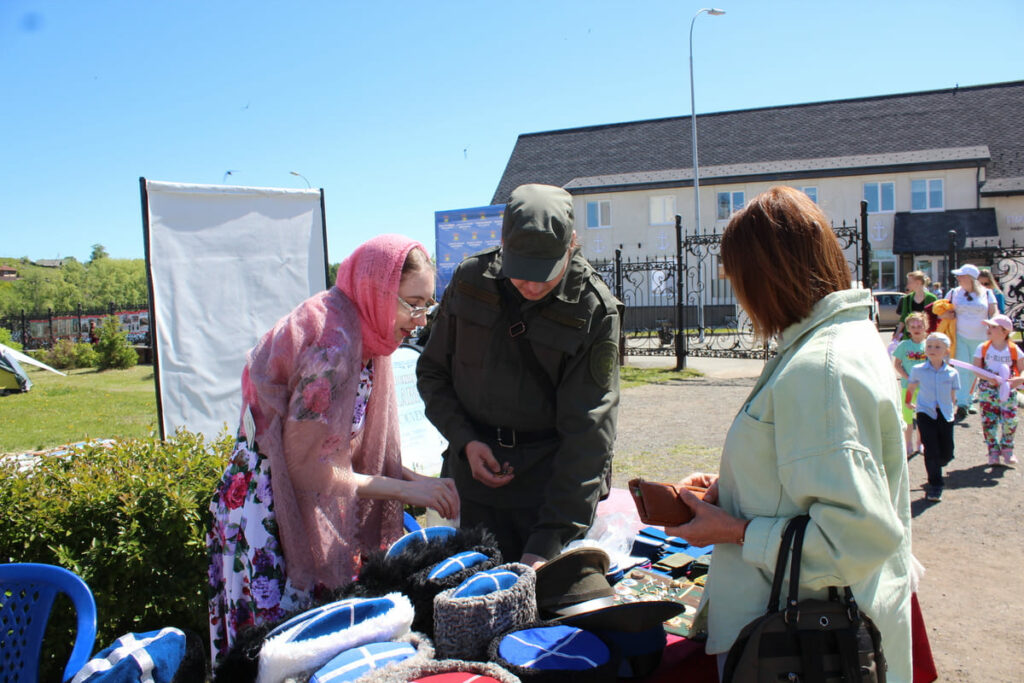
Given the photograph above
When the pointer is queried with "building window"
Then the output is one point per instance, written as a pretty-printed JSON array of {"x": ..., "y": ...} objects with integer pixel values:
[
  {"x": 811, "y": 192},
  {"x": 663, "y": 209},
  {"x": 881, "y": 197},
  {"x": 883, "y": 269},
  {"x": 599, "y": 214},
  {"x": 926, "y": 195},
  {"x": 728, "y": 202}
]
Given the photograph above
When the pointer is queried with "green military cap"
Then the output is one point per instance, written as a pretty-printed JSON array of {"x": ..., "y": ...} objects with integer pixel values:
[{"x": 536, "y": 232}]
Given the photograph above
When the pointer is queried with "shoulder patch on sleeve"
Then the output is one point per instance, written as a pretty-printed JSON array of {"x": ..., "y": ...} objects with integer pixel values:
[{"x": 604, "y": 358}]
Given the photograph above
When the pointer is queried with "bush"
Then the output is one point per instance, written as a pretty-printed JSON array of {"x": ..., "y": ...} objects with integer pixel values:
[
  {"x": 113, "y": 347},
  {"x": 129, "y": 518},
  {"x": 5, "y": 339},
  {"x": 66, "y": 355}
]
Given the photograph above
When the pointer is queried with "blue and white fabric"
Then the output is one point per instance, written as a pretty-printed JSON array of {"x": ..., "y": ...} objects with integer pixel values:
[
  {"x": 455, "y": 564},
  {"x": 486, "y": 582},
  {"x": 151, "y": 657},
  {"x": 562, "y": 648},
  {"x": 413, "y": 538},
  {"x": 350, "y": 665},
  {"x": 305, "y": 643}
]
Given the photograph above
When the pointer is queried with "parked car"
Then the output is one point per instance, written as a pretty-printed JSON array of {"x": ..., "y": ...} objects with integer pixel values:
[{"x": 886, "y": 314}]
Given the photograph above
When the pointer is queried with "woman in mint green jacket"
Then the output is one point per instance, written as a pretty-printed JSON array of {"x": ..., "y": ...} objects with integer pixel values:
[{"x": 820, "y": 433}]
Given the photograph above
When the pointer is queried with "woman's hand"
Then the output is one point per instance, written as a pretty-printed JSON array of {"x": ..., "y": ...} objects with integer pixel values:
[
  {"x": 485, "y": 467},
  {"x": 705, "y": 481},
  {"x": 436, "y": 494},
  {"x": 710, "y": 523}
]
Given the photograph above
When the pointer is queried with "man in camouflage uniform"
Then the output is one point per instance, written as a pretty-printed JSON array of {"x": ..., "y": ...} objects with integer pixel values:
[{"x": 520, "y": 374}]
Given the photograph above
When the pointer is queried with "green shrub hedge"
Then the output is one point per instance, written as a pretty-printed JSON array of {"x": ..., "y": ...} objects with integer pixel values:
[
  {"x": 130, "y": 519},
  {"x": 66, "y": 354}
]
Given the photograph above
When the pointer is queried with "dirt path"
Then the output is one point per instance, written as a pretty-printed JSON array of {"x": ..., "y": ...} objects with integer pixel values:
[{"x": 971, "y": 544}]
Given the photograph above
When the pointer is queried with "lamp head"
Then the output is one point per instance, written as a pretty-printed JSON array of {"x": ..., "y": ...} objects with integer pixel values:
[{"x": 715, "y": 12}]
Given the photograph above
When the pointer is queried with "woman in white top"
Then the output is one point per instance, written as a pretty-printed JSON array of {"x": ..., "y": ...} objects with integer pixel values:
[{"x": 973, "y": 304}]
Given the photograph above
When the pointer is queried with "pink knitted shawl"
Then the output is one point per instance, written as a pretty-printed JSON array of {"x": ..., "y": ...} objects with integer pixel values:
[
  {"x": 300, "y": 382},
  {"x": 370, "y": 277}
]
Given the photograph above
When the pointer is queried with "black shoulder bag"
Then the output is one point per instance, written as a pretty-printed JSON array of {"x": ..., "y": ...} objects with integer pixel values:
[{"x": 812, "y": 641}]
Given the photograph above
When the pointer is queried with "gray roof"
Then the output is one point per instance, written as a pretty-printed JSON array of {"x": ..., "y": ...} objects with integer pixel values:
[{"x": 951, "y": 127}]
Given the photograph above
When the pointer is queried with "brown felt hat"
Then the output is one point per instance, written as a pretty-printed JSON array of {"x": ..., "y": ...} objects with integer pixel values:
[
  {"x": 576, "y": 576},
  {"x": 574, "y": 589}
]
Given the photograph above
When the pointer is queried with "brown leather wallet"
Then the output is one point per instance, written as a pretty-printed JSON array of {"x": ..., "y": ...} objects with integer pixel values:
[{"x": 659, "y": 504}]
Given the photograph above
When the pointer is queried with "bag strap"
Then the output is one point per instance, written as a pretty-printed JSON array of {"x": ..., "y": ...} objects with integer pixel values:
[
  {"x": 517, "y": 331},
  {"x": 800, "y": 524},
  {"x": 780, "y": 562}
]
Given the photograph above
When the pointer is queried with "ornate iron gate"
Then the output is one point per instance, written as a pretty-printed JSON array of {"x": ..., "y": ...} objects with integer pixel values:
[
  {"x": 1007, "y": 268},
  {"x": 701, "y": 304}
]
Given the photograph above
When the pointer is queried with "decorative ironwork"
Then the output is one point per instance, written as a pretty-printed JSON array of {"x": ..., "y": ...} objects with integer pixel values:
[{"x": 660, "y": 304}]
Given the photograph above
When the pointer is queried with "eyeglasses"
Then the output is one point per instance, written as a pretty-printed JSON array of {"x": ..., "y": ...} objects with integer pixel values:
[{"x": 417, "y": 311}]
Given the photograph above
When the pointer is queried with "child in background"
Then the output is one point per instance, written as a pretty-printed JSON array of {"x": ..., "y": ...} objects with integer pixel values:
[
  {"x": 996, "y": 415},
  {"x": 936, "y": 383},
  {"x": 906, "y": 355}
]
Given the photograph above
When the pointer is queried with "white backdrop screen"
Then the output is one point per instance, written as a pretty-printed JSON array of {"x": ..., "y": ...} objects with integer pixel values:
[{"x": 224, "y": 264}]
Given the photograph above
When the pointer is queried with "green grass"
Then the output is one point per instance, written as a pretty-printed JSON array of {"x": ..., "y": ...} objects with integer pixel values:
[
  {"x": 84, "y": 405},
  {"x": 630, "y": 376}
]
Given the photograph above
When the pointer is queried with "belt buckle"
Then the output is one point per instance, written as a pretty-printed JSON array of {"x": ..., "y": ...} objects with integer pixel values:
[
  {"x": 516, "y": 329},
  {"x": 501, "y": 438}
]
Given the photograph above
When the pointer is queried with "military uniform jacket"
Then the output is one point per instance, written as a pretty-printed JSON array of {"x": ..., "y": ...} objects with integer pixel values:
[{"x": 473, "y": 378}]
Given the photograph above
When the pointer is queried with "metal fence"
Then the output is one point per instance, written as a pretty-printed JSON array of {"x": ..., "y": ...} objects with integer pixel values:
[
  {"x": 686, "y": 306},
  {"x": 41, "y": 329},
  {"x": 1007, "y": 265}
]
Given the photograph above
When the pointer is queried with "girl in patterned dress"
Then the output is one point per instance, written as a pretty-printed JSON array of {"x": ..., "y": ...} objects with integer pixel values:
[
  {"x": 999, "y": 417},
  {"x": 316, "y": 478}
]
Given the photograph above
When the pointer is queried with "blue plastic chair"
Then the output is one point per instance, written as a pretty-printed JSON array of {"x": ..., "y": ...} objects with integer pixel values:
[{"x": 27, "y": 592}]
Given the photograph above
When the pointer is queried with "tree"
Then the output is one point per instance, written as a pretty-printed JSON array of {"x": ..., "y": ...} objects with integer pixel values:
[
  {"x": 98, "y": 252},
  {"x": 113, "y": 347}
]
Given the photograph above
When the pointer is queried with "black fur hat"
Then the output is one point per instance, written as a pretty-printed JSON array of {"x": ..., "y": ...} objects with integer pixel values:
[{"x": 408, "y": 573}]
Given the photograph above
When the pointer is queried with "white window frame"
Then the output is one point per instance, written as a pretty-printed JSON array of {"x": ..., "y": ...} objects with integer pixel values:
[
  {"x": 601, "y": 204},
  {"x": 878, "y": 195},
  {"x": 928, "y": 182},
  {"x": 887, "y": 257},
  {"x": 661, "y": 209},
  {"x": 734, "y": 205}
]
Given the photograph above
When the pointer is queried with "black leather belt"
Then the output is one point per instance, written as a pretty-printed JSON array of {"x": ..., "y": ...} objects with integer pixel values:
[{"x": 507, "y": 437}]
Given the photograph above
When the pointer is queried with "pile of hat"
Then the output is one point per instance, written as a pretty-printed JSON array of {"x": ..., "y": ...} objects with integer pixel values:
[{"x": 440, "y": 604}]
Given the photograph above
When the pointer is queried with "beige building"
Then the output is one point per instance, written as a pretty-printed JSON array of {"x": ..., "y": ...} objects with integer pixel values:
[{"x": 927, "y": 163}]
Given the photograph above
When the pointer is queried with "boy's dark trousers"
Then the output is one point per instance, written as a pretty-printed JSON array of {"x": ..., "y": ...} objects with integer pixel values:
[{"x": 937, "y": 439}]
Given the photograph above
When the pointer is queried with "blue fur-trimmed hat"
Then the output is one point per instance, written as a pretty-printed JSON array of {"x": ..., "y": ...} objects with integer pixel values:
[
  {"x": 430, "y": 534},
  {"x": 468, "y": 616},
  {"x": 367, "y": 662},
  {"x": 550, "y": 652},
  {"x": 150, "y": 656},
  {"x": 306, "y": 642}
]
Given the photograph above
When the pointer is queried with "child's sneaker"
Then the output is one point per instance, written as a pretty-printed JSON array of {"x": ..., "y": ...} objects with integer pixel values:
[
  {"x": 993, "y": 458},
  {"x": 932, "y": 494},
  {"x": 1008, "y": 457}
]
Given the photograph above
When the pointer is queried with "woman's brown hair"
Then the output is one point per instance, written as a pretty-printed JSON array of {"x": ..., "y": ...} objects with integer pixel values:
[
  {"x": 782, "y": 258},
  {"x": 415, "y": 261}
]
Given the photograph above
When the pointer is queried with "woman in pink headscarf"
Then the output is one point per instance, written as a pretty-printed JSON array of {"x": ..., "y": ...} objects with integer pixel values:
[{"x": 316, "y": 478}]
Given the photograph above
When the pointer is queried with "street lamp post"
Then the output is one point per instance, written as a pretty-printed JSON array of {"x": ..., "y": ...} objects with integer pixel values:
[
  {"x": 296, "y": 173},
  {"x": 696, "y": 173}
]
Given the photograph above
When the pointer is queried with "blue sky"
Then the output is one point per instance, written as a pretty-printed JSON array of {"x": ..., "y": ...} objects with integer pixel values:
[{"x": 400, "y": 109}]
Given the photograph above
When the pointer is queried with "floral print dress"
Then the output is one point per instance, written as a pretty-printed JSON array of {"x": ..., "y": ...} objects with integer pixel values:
[{"x": 248, "y": 583}]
